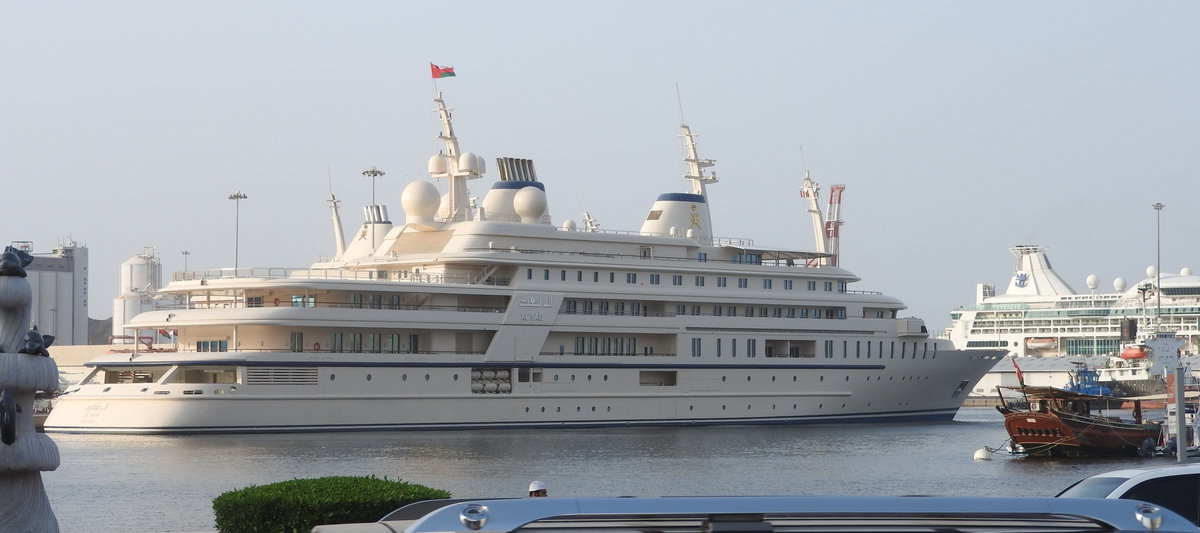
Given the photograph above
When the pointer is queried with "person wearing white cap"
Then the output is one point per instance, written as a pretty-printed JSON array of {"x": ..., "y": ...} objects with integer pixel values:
[{"x": 537, "y": 489}]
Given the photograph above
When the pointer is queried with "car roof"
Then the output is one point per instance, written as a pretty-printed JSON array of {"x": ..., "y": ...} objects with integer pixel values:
[{"x": 1153, "y": 472}]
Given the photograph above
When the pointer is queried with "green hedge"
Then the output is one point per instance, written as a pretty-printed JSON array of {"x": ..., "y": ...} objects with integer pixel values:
[{"x": 299, "y": 505}]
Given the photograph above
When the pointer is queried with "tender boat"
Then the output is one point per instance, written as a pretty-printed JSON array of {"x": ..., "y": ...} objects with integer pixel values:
[{"x": 482, "y": 313}]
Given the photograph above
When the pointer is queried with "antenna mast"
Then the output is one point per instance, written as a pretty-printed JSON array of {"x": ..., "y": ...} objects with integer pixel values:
[
  {"x": 339, "y": 236},
  {"x": 826, "y": 230},
  {"x": 696, "y": 174}
]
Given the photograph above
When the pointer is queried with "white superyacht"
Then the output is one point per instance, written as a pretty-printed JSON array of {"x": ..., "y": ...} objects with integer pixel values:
[{"x": 483, "y": 314}]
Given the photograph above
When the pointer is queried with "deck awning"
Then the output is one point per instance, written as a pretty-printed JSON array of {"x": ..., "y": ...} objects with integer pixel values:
[{"x": 770, "y": 254}]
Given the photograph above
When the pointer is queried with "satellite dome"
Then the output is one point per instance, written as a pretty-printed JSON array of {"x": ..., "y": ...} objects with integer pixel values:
[
  {"x": 1151, "y": 271},
  {"x": 438, "y": 164},
  {"x": 1119, "y": 284},
  {"x": 530, "y": 204},
  {"x": 568, "y": 225},
  {"x": 1092, "y": 281},
  {"x": 1185, "y": 272},
  {"x": 420, "y": 199},
  {"x": 470, "y": 162}
]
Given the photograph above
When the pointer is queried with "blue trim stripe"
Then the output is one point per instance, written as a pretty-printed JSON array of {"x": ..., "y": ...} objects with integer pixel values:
[
  {"x": 681, "y": 197},
  {"x": 518, "y": 184}
]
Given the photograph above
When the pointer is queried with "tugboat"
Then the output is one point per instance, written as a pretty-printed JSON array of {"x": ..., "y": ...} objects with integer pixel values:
[{"x": 1086, "y": 380}]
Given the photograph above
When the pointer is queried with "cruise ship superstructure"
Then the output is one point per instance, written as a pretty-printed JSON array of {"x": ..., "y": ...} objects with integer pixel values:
[
  {"x": 1040, "y": 315},
  {"x": 484, "y": 314}
]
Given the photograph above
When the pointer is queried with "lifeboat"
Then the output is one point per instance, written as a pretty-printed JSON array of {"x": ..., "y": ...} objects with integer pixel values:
[
  {"x": 1040, "y": 343},
  {"x": 1133, "y": 352}
]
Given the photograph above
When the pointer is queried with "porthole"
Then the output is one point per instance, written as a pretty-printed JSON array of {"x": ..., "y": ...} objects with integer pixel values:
[
  {"x": 793, "y": 406},
  {"x": 526, "y": 409},
  {"x": 606, "y": 377},
  {"x": 793, "y": 379},
  {"x": 556, "y": 377},
  {"x": 543, "y": 409},
  {"x": 822, "y": 378},
  {"x": 368, "y": 377},
  {"x": 332, "y": 377},
  {"x": 589, "y": 377},
  {"x": 747, "y": 379},
  {"x": 578, "y": 409},
  {"x": 456, "y": 377},
  {"x": 747, "y": 407},
  {"x": 722, "y": 379},
  {"x": 593, "y": 409},
  {"x": 609, "y": 408},
  {"x": 772, "y": 379},
  {"x": 572, "y": 377},
  {"x": 426, "y": 377},
  {"x": 691, "y": 408},
  {"x": 558, "y": 409},
  {"x": 403, "y": 377},
  {"x": 722, "y": 407},
  {"x": 847, "y": 378}
]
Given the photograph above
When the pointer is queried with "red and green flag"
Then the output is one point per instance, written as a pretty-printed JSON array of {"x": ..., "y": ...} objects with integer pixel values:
[{"x": 441, "y": 72}]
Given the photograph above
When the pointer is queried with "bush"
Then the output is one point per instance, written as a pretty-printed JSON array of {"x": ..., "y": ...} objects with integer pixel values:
[{"x": 299, "y": 505}]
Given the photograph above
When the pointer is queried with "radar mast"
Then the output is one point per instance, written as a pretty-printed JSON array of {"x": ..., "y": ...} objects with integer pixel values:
[{"x": 456, "y": 166}]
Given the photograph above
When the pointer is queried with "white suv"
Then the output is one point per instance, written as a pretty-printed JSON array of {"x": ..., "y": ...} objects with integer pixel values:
[{"x": 1175, "y": 487}]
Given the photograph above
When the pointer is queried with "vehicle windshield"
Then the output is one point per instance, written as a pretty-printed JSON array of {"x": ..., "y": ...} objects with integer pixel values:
[{"x": 1093, "y": 487}]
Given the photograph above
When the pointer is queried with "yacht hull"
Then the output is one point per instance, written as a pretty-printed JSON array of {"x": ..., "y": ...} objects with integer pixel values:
[{"x": 406, "y": 395}]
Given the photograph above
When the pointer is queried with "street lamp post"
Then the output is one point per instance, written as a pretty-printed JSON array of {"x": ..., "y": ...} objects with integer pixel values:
[
  {"x": 237, "y": 198},
  {"x": 185, "y": 258},
  {"x": 373, "y": 174},
  {"x": 1158, "y": 206}
]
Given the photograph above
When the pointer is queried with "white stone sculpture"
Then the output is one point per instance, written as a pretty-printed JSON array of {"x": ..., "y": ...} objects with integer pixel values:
[{"x": 25, "y": 368}]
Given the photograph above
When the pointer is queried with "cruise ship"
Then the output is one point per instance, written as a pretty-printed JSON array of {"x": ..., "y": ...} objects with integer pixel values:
[
  {"x": 1040, "y": 315},
  {"x": 485, "y": 314}
]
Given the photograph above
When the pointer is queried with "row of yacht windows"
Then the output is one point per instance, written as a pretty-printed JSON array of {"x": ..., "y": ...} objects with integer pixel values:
[
  {"x": 620, "y": 308},
  {"x": 680, "y": 280},
  {"x": 830, "y": 349}
]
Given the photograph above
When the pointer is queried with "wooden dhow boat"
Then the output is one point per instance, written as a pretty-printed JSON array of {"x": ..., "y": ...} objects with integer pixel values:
[{"x": 1062, "y": 423}]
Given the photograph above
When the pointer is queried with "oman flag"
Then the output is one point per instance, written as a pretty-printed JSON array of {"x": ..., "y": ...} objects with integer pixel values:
[{"x": 441, "y": 72}]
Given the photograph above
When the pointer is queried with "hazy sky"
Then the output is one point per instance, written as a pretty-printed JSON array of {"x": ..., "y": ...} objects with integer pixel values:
[{"x": 959, "y": 128}]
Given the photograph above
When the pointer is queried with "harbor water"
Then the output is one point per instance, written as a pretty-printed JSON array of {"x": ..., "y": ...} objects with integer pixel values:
[{"x": 166, "y": 483}]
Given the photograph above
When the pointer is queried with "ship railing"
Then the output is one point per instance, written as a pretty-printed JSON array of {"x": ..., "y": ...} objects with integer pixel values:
[
  {"x": 384, "y": 306},
  {"x": 762, "y": 261},
  {"x": 612, "y": 354},
  {"x": 338, "y": 274},
  {"x": 714, "y": 241}
]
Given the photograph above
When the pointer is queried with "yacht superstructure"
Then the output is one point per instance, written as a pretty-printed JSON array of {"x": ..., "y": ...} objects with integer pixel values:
[{"x": 482, "y": 314}]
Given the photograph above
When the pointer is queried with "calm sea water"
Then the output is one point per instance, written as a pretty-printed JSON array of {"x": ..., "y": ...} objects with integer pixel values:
[{"x": 144, "y": 484}]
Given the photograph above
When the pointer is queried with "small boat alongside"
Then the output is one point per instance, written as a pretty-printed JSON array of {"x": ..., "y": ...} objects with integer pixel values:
[{"x": 1062, "y": 423}]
